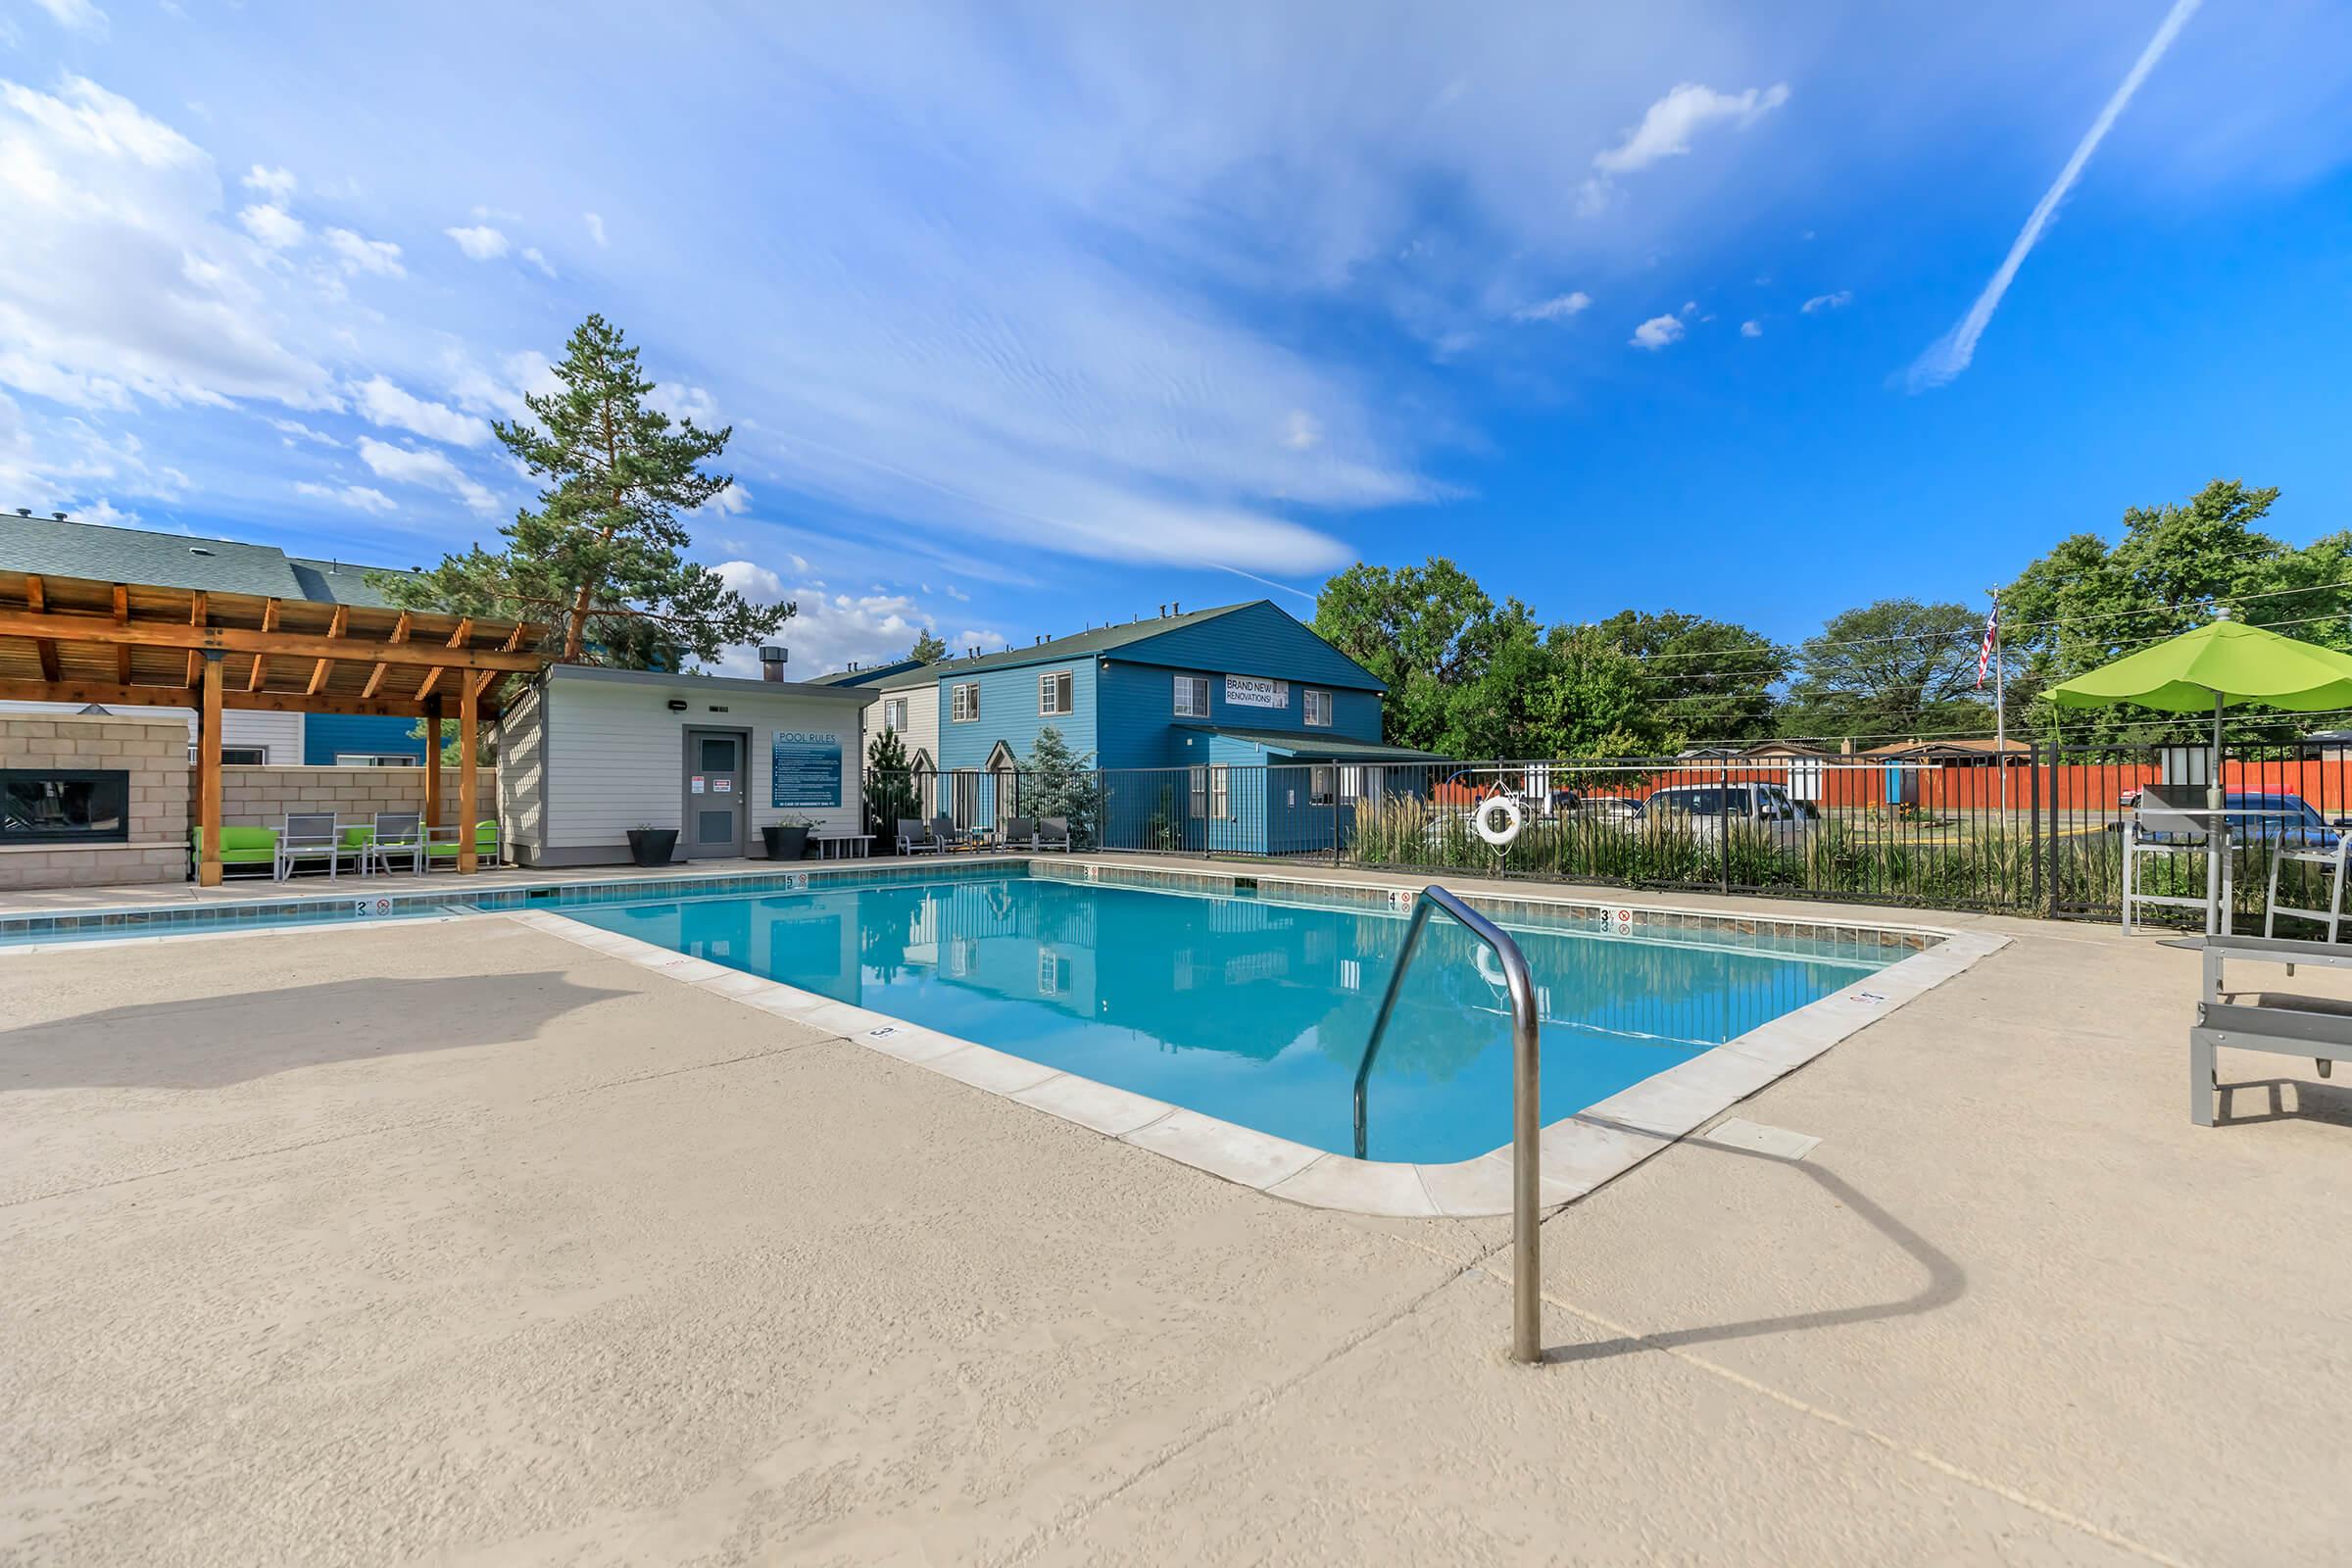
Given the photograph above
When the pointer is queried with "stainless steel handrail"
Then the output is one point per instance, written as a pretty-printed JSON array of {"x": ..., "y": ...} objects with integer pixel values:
[{"x": 1527, "y": 1122}]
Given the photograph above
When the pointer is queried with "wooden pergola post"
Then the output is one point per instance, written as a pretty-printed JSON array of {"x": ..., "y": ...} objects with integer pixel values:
[
  {"x": 208, "y": 777},
  {"x": 468, "y": 805},
  {"x": 432, "y": 761}
]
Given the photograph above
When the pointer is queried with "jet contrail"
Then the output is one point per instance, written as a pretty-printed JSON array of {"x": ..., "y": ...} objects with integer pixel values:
[{"x": 1949, "y": 354}]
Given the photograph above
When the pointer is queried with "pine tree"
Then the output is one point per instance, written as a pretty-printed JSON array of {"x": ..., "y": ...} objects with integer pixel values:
[
  {"x": 929, "y": 649},
  {"x": 602, "y": 557},
  {"x": 1058, "y": 782},
  {"x": 890, "y": 789}
]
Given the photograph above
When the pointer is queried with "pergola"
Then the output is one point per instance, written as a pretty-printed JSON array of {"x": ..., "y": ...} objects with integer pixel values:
[{"x": 74, "y": 640}]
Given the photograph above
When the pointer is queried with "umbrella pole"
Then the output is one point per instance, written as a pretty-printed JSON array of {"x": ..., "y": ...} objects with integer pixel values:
[{"x": 2216, "y": 830}]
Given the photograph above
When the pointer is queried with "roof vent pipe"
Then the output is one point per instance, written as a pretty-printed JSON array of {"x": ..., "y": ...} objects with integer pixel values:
[
  {"x": 24, "y": 511},
  {"x": 771, "y": 663},
  {"x": 57, "y": 516}
]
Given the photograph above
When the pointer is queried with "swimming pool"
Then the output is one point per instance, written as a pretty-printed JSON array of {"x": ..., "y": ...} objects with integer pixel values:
[{"x": 1252, "y": 1010}]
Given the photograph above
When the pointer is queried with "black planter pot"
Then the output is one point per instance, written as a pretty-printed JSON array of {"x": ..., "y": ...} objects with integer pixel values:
[
  {"x": 652, "y": 846},
  {"x": 786, "y": 841}
]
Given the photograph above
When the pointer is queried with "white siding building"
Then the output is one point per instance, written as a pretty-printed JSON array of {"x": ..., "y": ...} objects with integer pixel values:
[
  {"x": 585, "y": 755},
  {"x": 912, "y": 708}
]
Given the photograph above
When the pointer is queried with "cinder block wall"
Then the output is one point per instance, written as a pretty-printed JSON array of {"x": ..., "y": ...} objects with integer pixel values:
[
  {"x": 261, "y": 796},
  {"x": 154, "y": 752}
]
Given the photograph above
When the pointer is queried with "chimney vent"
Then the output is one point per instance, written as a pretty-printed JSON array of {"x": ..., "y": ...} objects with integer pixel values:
[
  {"x": 24, "y": 511},
  {"x": 57, "y": 516},
  {"x": 772, "y": 662},
  {"x": 1179, "y": 609}
]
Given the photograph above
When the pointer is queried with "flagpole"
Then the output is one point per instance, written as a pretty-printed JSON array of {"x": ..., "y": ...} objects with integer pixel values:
[{"x": 2001, "y": 704}]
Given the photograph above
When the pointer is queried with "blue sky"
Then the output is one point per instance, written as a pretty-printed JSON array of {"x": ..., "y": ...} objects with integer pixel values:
[{"x": 1027, "y": 316}]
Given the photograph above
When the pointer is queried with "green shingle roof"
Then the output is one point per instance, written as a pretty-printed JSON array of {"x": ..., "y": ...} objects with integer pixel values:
[
  {"x": 48, "y": 548},
  {"x": 1099, "y": 639},
  {"x": 1305, "y": 743}
]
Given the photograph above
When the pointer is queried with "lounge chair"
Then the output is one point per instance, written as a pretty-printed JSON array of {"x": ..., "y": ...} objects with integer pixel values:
[
  {"x": 2328, "y": 855},
  {"x": 240, "y": 846},
  {"x": 1053, "y": 833},
  {"x": 441, "y": 844},
  {"x": 308, "y": 836},
  {"x": 395, "y": 839},
  {"x": 2168, "y": 821},
  {"x": 945, "y": 835},
  {"x": 916, "y": 838},
  {"x": 1017, "y": 832},
  {"x": 2280, "y": 1023}
]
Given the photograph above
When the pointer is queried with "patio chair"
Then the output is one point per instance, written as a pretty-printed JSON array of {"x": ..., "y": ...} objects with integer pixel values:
[
  {"x": 397, "y": 838},
  {"x": 441, "y": 844},
  {"x": 1017, "y": 832},
  {"x": 1053, "y": 833},
  {"x": 2331, "y": 856},
  {"x": 945, "y": 835},
  {"x": 307, "y": 836},
  {"x": 916, "y": 838},
  {"x": 2164, "y": 822}
]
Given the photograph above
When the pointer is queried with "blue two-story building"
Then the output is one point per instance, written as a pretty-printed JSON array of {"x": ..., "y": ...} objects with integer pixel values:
[{"x": 1234, "y": 728}]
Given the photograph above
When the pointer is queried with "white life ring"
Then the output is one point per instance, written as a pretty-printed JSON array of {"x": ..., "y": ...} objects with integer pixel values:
[{"x": 1498, "y": 836}]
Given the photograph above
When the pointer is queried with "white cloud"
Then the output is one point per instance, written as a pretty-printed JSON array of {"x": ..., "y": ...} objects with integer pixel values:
[
  {"x": 480, "y": 243},
  {"x": 1955, "y": 350},
  {"x": 106, "y": 515},
  {"x": 275, "y": 185},
  {"x": 382, "y": 403},
  {"x": 295, "y": 431},
  {"x": 1559, "y": 308},
  {"x": 1301, "y": 431},
  {"x": 358, "y": 497},
  {"x": 682, "y": 401},
  {"x": 272, "y": 226},
  {"x": 752, "y": 580},
  {"x": 118, "y": 279},
  {"x": 1751, "y": 328},
  {"x": 1828, "y": 302},
  {"x": 76, "y": 16},
  {"x": 1657, "y": 332},
  {"x": 596, "y": 227},
  {"x": 420, "y": 465},
  {"x": 360, "y": 254},
  {"x": 1668, "y": 127},
  {"x": 732, "y": 502},
  {"x": 832, "y": 630},
  {"x": 530, "y": 254}
]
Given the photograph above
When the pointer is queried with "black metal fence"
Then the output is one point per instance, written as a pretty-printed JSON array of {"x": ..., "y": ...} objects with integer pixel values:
[{"x": 2041, "y": 831}]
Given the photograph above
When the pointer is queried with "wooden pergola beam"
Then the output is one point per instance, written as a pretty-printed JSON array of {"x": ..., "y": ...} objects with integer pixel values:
[
  {"x": 376, "y": 676},
  {"x": 457, "y": 639},
  {"x": 196, "y": 609},
  {"x": 122, "y": 618},
  {"x": 38, "y": 599},
  {"x": 200, "y": 640},
  {"x": 83, "y": 692},
  {"x": 261, "y": 661},
  {"x": 326, "y": 666}
]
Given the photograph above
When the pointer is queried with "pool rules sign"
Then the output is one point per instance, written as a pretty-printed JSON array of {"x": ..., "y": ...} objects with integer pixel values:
[{"x": 804, "y": 769}]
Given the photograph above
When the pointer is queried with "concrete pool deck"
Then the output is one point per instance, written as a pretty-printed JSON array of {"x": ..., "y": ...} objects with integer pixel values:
[{"x": 453, "y": 1240}]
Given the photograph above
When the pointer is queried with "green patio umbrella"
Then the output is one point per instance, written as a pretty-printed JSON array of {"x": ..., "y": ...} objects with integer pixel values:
[{"x": 2213, "y": 667}]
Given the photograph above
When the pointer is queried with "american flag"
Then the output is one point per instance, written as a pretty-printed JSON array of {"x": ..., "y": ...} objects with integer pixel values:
[{"x": 1985, "y": 653}]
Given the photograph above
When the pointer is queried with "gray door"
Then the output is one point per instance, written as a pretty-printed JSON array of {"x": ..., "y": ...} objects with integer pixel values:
[{"x": 714, "y": 767}]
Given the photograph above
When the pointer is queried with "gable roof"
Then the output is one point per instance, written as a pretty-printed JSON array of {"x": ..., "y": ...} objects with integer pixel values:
[
  {"x": 868, "y": 675},
  {"x": 47, "y": 548},
  {"x": 1226, "y": 637}
]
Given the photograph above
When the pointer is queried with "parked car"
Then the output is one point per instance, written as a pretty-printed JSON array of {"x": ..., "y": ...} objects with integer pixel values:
[
  {"x": 1614, "y": 808},
  {"x": 1702, "y": 810},
  {"x": 2269, "y": 817}
]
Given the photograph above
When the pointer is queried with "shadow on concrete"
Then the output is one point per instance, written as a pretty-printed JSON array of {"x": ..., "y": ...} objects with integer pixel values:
[
  {"x": 1947, "y": 1281},
  {"x": 2314, "y": 1100},
  {"x": 211, "y": 1042}
]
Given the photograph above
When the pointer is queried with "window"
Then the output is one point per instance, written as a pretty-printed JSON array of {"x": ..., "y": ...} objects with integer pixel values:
[
  {"x": 1053, "y": 693},
  {"x": 894, "y": 713},
  {"x": 1320, "y": 784},
  {"x": 1318, "y": 708},
  {"x": 244, "y": 755},
  {"x": 1192, "y": 697},
  {"x": 1052, "y": 973},
  {"x": 964, "y": 704},
  {"x": 1200, "y": 791},
  {"x": 1220, "y": 792},
  {"x": 1352, "y": 783},
  {"x": 378, "y": 760}
]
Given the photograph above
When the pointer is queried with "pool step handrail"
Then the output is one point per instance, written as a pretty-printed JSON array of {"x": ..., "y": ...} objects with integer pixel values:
[{"x": 1527, "y": 1121}]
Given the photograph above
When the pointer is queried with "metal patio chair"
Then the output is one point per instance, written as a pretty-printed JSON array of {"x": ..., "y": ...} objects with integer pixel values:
[
  {"x": 2331, "y": 856},
  {"x": 397, "y": 838},
  {"x": 1017, "y": 832},
  {"x": 1053, "y": 833},
  {"x": 2164, "y": 822},
  {"x": 307, "y": 836},
  {"x": 916, "y": 838}
]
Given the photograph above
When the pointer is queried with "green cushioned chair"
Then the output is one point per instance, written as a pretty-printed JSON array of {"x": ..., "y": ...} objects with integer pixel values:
[
  {"x": 239, "y": 846},
  {"x": 442, "y": 847}
]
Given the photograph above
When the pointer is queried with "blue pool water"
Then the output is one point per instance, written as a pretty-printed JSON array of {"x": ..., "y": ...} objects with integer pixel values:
[{"x": 1254, "y": 1012}]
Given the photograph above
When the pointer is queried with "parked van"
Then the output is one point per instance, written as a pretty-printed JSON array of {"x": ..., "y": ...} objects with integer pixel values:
[{"x": 1701, "y": 810}]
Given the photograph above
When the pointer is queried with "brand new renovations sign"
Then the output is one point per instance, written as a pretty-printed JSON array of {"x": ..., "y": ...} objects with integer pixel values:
[{"x": 1256, "y": 691}]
